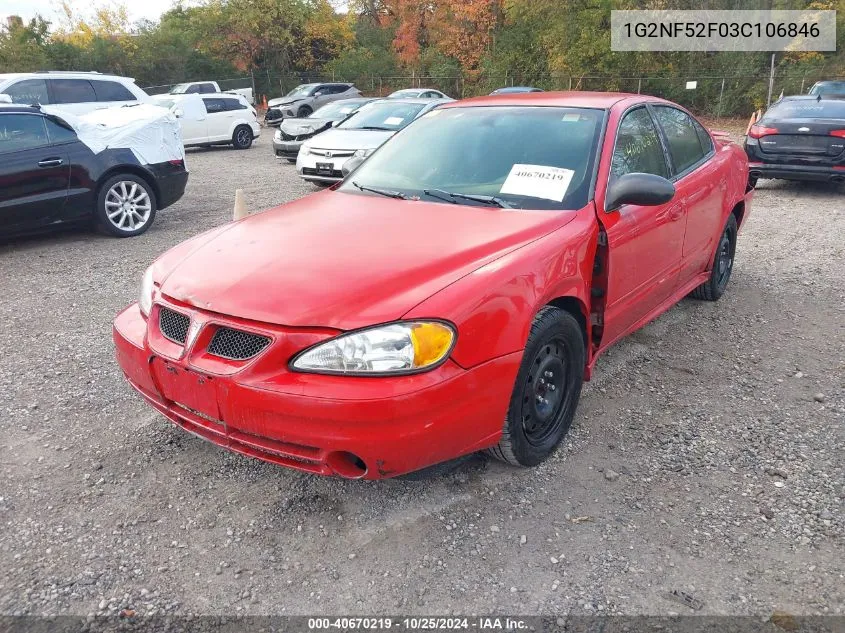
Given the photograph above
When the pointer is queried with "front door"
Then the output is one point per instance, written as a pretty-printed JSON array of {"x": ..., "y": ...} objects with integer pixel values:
[
  {"x": 645, "y": 243},
  {"x": 34, "y": 175}
]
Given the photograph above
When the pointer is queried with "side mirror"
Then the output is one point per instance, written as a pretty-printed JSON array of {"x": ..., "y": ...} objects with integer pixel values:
[
  {"x": 178, "y": 113},
  {"x": 643, "y": 189},
  {"x": 318, "y": 93}
]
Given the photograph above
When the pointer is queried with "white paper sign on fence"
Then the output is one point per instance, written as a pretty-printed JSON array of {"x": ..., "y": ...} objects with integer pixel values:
[{"x": 538, "y": 181}]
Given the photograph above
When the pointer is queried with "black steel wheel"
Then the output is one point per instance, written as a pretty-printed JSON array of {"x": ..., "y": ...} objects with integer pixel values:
[
  {"x": 723, "y": 264},
  {"x": 547, "y": 389}
]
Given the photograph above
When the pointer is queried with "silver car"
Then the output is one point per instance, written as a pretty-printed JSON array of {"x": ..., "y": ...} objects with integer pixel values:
[
  {"x": 321, "y": 158},
  {"x": 303, "y": 100}
]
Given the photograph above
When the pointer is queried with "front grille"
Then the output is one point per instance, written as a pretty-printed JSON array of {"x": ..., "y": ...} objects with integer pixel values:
[
  {"x": 273, "y": 113},
  {"x": 174, "y": 325},
  {"x": 236, "y": 344},
  {"x": 310, "y": 171}
]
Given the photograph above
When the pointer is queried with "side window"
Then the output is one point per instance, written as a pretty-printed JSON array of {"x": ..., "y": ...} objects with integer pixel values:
[
  {"x": 703, "y": 137},
  {"x": 207, "y": 88},
  {"x": 684, "y": 144},
  {"x": 213, "y": 106},
  {"x": 321, "y": 89},
  {"x": 21, "y": 131},
  {"x": 58, "y": 133},
  {"x": 29, "y": 92},
  {"x": 112, "y": 91},
  {"x": 193, "y": 90},
  {"x": 72, "y": 91},
  {"x": 638, "y": 148}
]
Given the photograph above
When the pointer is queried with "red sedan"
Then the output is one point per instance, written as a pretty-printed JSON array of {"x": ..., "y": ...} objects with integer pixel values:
[{"x": 450, "y": 296}]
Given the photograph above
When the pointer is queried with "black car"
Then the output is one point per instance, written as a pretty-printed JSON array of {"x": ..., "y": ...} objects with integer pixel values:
[
  {"x": 48, "y": 177},
  {"x": 799, "y": 138}
]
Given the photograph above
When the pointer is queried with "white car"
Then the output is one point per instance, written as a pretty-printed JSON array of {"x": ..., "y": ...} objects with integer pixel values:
[
  {"x": 322, "y": 157},
  {"x": 213, "y": 119},
  {"x": 207, "y": 87},
  {"x": 71, "y": 92},
  {"x": 418, "y": 93}
]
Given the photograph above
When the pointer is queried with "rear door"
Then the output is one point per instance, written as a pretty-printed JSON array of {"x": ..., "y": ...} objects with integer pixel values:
[
  {"x": 698, "y": 185},
  {"x": 194, "y": 123},
  {"x": 34, "y": 175},
  {"x": 76, "y": 96},
  {"x": 219, "y": 119},
  {"x": 644, "y": 242}
]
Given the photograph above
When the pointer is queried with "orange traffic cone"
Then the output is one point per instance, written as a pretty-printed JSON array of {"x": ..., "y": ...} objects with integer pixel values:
[{"x": 264, "y": 101}]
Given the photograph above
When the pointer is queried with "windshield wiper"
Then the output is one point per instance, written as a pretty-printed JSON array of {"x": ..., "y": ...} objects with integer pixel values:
[
  {"x": 382, "y": 192},
  {"x": 375, "y": 127},
  {"x": 491, "y": 200}
]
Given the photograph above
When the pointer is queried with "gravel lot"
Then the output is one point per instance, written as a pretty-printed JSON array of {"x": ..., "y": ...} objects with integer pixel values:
[{"x": 706, "y": 456}]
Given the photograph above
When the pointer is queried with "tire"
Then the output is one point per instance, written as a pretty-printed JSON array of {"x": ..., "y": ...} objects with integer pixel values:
[
  {"x": 752, "y": 182},
  {"x": 303, "y": 112},
  {"x": 723, "y": 262},
  {"x": 545, "y": 395},
  {"x": 242, "y": 137},
  {"x": 126, "y": 205}
]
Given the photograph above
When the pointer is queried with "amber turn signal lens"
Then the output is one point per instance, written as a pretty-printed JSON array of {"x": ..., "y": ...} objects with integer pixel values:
[{"x": 431, "y": 341}]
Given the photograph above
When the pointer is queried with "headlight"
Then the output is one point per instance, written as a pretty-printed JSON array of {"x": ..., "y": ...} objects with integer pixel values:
[
  {"x": 145, "y": 296},
  {"x": 363, "y": 153},
  {"x": 289, "y": 113},
  {"x": 396, "y": 348}
]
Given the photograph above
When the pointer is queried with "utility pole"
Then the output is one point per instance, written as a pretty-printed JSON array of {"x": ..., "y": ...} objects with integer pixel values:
[{"x": 771, "y": 82}]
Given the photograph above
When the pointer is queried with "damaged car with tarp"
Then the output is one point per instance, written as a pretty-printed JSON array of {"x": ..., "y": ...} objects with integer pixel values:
[{"x": 114, "y": 168}]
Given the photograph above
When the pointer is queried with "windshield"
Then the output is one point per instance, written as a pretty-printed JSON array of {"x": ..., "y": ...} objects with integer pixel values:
[
  {"x": 806, "y": 109},
  {"x": 528, "y": 157},
  {"x": 301, "y": 91},
  {"x": 829, "y": 87},
  {"x": 382, "y": 116},
  {"x": 336, "y": 110}
]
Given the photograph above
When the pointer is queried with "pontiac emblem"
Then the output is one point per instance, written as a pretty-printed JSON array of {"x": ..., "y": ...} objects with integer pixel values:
[
  {"x": 328, "y": 154},
  {"x": 193, "y": 331}
]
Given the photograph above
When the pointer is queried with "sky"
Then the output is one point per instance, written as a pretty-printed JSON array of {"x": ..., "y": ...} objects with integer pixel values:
[{"x": 49, "y": 9}]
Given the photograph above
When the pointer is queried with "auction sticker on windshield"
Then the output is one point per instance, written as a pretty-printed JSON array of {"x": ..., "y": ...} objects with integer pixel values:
[
  {"x": 393, "y": 120},
  {"x": 538, "y": 181}
]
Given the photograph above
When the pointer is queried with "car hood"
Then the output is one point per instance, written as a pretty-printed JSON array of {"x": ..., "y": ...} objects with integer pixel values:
[
  {"x": 338, "y": 139},
  {"x": 298, "y": 127},
  {"x": 342, "y": 260}
]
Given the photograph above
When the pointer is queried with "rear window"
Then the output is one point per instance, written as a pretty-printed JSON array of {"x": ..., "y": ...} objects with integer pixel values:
[
  {"x": 806, "y": 109},
  {"x": 72, "y": 91}
]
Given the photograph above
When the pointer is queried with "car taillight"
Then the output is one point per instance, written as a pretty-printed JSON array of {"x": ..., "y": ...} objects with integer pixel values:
[
  {"x": 177, "y": 162},
  {"x": 839, "y": 133},
  {"x": 757, "y": 131}
]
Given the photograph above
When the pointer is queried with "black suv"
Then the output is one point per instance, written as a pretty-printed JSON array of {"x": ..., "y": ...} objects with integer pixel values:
[{"x": 49, "y": 177}]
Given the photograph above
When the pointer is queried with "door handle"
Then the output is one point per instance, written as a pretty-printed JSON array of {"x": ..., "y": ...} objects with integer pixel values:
[
  {"x": 50, "y": 162},
  {"x": 676, "y": 212}
]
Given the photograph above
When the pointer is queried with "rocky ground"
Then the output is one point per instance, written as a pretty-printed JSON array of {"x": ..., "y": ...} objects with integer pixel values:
[{"x": 706, "y": 455}]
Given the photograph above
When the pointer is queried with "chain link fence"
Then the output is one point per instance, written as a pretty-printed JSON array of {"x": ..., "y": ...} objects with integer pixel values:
[{"x": 710, "y": 96}]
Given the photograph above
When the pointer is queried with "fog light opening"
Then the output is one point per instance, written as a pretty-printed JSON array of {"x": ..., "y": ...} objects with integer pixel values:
[{"x": 347, "y": 465}]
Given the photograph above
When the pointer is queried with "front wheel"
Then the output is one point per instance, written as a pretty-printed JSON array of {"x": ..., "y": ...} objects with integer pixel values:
[
  {"x": 547, "y": 389},
  {"x": 723, "y": 264},
  {"x": 304, "y": 112},
  {"x": 242, "y": 137},
  {"x": 126, "y": 205}
]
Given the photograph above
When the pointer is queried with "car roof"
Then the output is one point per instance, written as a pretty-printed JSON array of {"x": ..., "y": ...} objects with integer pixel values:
[
  {"x": 64, "y": 74},
  {"x": 603, "y": 100},
  {"x": 415, "y": 100},
  {"x": 17, "y": 107},
  {"x": 830, "y": 96}
]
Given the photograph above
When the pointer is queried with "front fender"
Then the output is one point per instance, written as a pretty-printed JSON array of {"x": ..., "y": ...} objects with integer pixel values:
[{"x": 494, "y": 306}]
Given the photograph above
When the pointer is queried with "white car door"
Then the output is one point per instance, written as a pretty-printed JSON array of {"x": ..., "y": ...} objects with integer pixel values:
[
  {"x": 220, "y": 119},
  {"x": 76, "y": 96},
  {"x": 193, "y": 119}
]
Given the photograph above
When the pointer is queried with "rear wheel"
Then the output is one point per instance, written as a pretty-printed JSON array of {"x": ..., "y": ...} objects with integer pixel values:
[
  {"x": 304, "y": 112},
  {"x": 242, "y": 137},
  {"x": 723, "y": 263},
  {"x": 546, "y": 392},
  {"x": 126, "y": 205}
]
